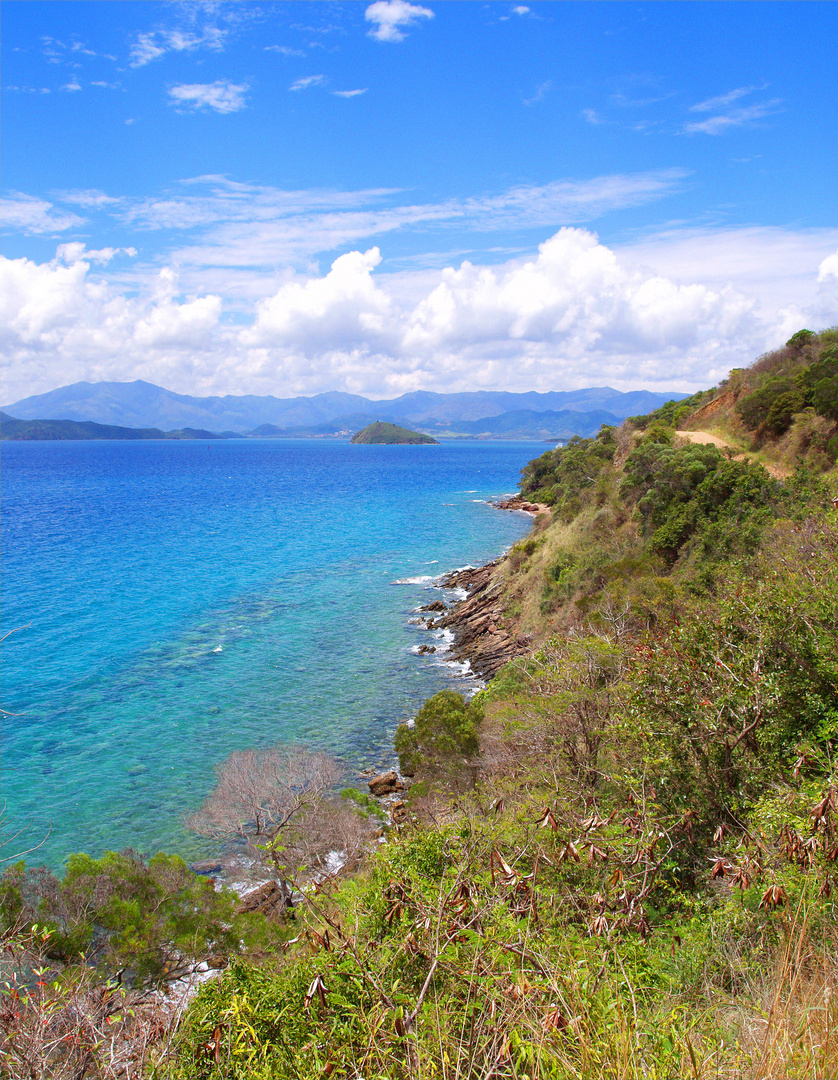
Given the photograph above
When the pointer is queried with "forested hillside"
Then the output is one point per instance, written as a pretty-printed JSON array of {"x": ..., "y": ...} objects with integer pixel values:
[{"x": 621, "y": 858}]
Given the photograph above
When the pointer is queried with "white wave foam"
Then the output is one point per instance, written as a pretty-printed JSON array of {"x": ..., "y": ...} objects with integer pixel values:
[
  {"x": 217, "y": 649},
  {"x": 421, "y": 579}
]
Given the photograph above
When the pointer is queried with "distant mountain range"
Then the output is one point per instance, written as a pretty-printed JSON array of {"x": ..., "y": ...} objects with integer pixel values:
[{"x": 483, "y": 413}]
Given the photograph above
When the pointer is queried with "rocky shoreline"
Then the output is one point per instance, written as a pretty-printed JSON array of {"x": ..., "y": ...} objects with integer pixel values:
[{"x": 477, "y": 621}]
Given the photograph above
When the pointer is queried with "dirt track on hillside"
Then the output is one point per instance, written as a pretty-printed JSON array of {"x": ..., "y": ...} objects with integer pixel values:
[{"x": 704, "y": 437}]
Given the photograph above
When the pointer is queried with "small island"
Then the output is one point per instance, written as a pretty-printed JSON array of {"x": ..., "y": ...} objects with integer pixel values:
[{"x": 382, "y": 433}]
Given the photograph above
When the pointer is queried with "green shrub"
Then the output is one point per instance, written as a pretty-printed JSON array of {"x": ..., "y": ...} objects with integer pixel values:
[
  {"x": 443, "y": 734},
  {"x": 123, "y": 912}
]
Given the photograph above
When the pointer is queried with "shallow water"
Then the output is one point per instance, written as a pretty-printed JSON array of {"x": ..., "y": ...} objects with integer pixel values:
[{"x": 181, "y": 600}]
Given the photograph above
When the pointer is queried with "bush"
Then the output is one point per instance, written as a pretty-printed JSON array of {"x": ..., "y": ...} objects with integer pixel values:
[
  {"x": 443, "y": 734},
  {"x": 120, "y": 912}
]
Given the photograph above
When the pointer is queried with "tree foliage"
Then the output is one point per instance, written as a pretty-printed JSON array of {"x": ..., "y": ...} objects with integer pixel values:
[{"x": 443, "y": 735}]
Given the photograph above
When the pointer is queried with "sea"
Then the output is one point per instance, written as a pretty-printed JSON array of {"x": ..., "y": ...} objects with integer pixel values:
[{"x": 168, "y": 602}]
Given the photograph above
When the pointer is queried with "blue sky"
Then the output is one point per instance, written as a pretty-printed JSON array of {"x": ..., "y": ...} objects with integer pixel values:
[{"x": 290, "y": 198}]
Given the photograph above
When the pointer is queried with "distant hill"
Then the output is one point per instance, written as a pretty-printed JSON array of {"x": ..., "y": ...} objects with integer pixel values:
[
  {"x": 528, "y": 424},
  {"x": 11, "y": 428},
  {"x": 143, "y": 405},
  {"x": 382, "y": 433}
]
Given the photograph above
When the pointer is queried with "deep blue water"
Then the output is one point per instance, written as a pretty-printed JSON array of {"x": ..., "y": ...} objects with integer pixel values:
[{"x": 181, "y": 600}]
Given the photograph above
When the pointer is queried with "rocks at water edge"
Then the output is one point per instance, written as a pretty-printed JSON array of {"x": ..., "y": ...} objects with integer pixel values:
[
  {"x": 437, "y": 605},
  {"x": 385, "y": 783},
  {"x": 477, "y": 622},
  {"x": 517, "y": 503},
  {"x": 266, "y": 899}
]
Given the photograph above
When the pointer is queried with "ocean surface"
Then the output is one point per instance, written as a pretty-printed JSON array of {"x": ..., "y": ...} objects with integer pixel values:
[{"x": 180, "y": 600}]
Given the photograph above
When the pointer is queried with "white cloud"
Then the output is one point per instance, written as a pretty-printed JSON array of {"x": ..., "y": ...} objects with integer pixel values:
[
  {"x": 521, "y": 9},
  {"x": 249, "y": 226},
  {"x": 284, "y": 50},
  {"x": 72, "y": 86},
  {"x": 341, "y": 310},
  {"x": 592, "y": 116},
  {"x": 727, "y": 117},
  {"x": 87, "y": 197},
  {"x": 389, "y": 16},
  {"x": 724, "y": 99},
  {"x": 540, "y": 93},
  {"x": 221, "y": 96},
  {"x": 153, "y": 45},
  {"x": 350, "y": 93},
  {"x": 675, "y": 311},
  {"x": 306, "y": 82},
  {"x": 57, "y": 319},
  {"x": 828, "y": 268},
  {"x": 33, "y": 215},
  {"x": 77, "y": 251}
]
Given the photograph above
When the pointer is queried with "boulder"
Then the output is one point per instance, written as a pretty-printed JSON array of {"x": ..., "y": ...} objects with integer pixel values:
[
  {"x": 385, "y": 783},
  {"x": 267, "y": 899}
]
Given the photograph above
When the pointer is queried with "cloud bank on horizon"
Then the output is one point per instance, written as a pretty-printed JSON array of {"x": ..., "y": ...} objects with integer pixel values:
[{"x": 397, "y": 222}]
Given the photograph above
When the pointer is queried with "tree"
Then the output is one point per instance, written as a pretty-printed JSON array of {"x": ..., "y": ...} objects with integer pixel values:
[
  {"x": 443, "y": 734},
  {"x": 261, "y": 796}
]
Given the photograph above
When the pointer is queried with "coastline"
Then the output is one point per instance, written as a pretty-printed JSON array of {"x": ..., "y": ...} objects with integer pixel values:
[{"x": 476, "y": 620}]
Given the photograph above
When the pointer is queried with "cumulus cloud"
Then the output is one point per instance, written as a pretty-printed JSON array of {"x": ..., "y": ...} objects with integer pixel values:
[
  {"x": 31, "y": 215},
  {"x": 390, "y": 16},
  {"x": 828, "y": 268},
  {"x": 59, "y": 324},
  {"x": 344, "y": 309},
  {"x": 72, "y": 86},
  {"x": 672, "y": 311},
  {"x": 221, "y": 96}
]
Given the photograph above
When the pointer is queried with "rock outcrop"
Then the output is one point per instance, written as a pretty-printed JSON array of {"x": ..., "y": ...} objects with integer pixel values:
[
  {"x": 267, "y": 899},
  {"x": 385, "y": 783},
  {"x": 477, "y": 622},
  {"x": 517, "y": 503}
]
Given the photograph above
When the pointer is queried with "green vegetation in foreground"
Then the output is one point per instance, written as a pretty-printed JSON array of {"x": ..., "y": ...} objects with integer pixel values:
[
  {"x": 621, "y": 859},
  {"x": 382, "y": 433}
]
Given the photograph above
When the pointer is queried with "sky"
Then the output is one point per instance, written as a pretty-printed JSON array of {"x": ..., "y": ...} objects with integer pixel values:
[{"x": 289, "y": 198}]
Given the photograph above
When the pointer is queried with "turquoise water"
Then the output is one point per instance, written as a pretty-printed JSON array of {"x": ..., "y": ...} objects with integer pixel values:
[{"x": 180, "y": 600}]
